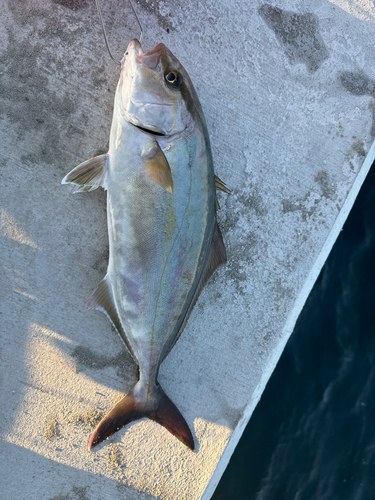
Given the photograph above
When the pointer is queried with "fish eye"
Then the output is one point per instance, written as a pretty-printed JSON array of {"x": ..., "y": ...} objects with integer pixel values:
[{"x": 173, "y": 79}]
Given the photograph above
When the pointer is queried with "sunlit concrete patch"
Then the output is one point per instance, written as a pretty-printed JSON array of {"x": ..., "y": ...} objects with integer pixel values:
[
  {"x": 52, "y": 419},
  {"x": 45, "y": 479},
  {"x": 12, "y": 229},
  {"x": 361, "y": 9},
  {"x": 56, "y": 423}
]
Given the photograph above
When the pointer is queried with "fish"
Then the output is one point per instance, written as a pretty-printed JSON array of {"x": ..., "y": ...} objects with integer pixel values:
[{"x": 164, "y": 238}]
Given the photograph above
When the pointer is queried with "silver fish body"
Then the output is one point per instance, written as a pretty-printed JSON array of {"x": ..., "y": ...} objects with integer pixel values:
[{"x": 164, "y": 241}]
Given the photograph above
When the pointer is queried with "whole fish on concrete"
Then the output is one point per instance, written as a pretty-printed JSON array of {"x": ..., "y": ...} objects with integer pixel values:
[{"x": 164, "y": 240}]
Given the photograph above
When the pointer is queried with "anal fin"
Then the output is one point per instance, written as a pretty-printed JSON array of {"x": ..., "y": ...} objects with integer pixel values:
[
  {"x": 216, "y": 256},
  {"x": 102, "y": 299},
  {"x": 89, "y": 175}
]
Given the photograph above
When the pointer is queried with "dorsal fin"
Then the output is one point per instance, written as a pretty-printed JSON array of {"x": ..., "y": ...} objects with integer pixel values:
[
  {"x": 220, "y": 185},
  {"x": 102, "y": 299},
  {"x": 217, "y": 204},
  {"x": 156, "y": 165},
  {"x": 217, "y": 255},
  {"x": 89, "y": 175}
]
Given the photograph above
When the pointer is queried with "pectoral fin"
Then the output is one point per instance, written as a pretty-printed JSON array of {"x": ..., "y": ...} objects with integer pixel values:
[
  {"x": 156, "y": 166},
  {"x": 89, "y": 175}
]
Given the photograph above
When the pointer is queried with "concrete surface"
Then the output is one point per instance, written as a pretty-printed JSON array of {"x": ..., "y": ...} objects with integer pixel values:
[{"x": 288, "y": 93}]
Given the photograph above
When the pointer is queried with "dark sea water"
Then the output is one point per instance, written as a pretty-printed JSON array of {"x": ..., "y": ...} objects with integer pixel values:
[{"x": 312, "y": 435}]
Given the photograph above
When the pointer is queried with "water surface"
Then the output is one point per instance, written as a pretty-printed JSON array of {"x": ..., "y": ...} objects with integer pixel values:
[{"x": 312, "y": 435}]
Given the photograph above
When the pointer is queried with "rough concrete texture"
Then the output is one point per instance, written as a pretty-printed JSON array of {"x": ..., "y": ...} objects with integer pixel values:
[{"x": 288, "y": 91}]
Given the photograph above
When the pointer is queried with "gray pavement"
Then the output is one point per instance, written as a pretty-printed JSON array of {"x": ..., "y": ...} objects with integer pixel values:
[{"x": 288, "y": 92}]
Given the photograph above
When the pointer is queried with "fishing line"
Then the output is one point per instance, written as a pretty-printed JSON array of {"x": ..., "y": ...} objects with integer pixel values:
[{"x": 104, "y": 33}]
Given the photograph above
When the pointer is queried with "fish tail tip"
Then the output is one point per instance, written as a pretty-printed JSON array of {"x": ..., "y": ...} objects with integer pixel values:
[
  {"x": 98, "y": 436},
  {"x": 122, "y": 414},
  {"x": 92, "y": 442},
  {"x": 168, "y": 415},
  {"x": 189, "y": 442}
]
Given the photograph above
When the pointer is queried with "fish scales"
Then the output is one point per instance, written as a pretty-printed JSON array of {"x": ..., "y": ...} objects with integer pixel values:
[
  {"x": 164, "y": 241},
  {"x": 153, "y": 242}
]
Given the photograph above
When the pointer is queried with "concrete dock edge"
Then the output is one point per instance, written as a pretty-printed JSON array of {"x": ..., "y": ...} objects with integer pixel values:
[{"x": 299, "y": 304}]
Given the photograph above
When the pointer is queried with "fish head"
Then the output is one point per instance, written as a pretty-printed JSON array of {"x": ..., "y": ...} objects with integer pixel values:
[{"x": 156, "y": 92}]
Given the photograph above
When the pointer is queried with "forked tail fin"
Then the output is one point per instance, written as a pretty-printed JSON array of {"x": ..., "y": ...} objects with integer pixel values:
[{"x": 158, "y": 408}]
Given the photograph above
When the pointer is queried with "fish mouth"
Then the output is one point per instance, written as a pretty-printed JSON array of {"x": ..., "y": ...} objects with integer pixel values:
[
  {"x": 151, "y": 59},
  {"x": 134, "y": 44},
  {"x": 148, "y": 130}
]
